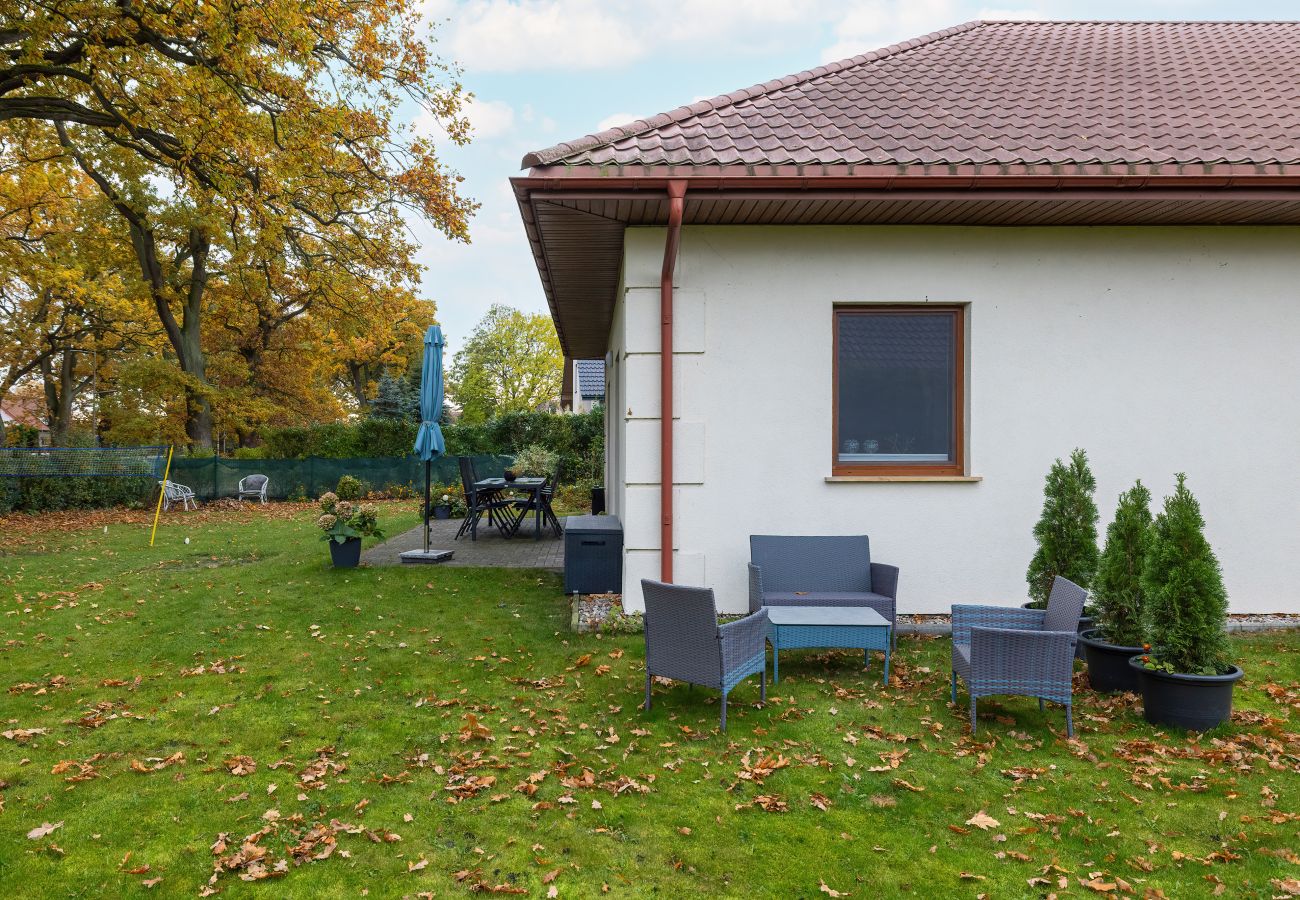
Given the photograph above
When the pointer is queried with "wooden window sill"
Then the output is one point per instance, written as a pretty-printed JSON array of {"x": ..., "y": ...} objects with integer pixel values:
[{"x": 958, "y": 479}]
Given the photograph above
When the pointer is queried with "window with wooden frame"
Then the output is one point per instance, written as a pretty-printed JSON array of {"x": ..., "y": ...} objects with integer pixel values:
[{"x": 899, "y": 390}]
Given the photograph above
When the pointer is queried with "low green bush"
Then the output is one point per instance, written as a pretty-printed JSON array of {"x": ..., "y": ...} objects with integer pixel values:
[
  {"x": 74, "y": 492},
  {"x": 576, "y": 439},
  {"x": 349, "y": 488}
]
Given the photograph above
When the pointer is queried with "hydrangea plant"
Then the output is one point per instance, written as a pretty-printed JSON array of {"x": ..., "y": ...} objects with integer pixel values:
[{"x": 343, "y": 519}]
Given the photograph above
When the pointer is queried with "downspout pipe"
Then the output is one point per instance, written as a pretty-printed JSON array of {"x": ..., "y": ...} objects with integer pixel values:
[{"x": 676, "y": 204}]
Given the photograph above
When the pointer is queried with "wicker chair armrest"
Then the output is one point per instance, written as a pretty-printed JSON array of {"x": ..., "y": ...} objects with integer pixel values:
[
  {"x": 968, "y": 616},
  {"x": 755, "y": 588},
  {"x": 884, "y": 580},
  {"x": 743, "y": 639},
  {"x": 1017, "y": 661}
]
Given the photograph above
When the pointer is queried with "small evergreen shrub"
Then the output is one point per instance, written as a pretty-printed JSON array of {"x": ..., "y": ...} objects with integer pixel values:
[
  {"x": 1186, "y": 604},
  {"x": 349, "y": 488},
  {"x": 1066, "y": 532},
  {"x": 535, "y": 460},
  {"x": 1117, "y": 589}
]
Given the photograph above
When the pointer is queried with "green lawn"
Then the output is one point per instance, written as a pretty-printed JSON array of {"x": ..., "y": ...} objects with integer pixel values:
[{"x": 439, "y": 731}]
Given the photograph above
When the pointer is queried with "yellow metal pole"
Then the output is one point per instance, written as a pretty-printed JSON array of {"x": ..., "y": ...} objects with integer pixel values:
[{"x": 162, "y": 489}]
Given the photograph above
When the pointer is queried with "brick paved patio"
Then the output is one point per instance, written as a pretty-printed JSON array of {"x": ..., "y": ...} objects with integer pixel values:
[{"x": 490, "y": 550}]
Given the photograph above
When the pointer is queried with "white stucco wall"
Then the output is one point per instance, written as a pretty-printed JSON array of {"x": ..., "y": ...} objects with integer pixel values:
[{"x": 1156, "y": 349}]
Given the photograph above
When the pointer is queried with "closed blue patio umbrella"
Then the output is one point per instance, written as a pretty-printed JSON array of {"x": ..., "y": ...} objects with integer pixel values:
[{"x": 429, "y": 442}]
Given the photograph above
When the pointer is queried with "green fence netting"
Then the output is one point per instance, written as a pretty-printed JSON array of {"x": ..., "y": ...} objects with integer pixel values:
[{"x": 312, "y": 476}]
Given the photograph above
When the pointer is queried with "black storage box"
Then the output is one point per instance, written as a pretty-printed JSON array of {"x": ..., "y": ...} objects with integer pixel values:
[{"x": 593, "y": 555}]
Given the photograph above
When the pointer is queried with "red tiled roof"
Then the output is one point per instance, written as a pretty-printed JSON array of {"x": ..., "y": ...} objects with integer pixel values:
[
  {"x": 1166, "y": 96},
  {"x": 21, "y": 411}
]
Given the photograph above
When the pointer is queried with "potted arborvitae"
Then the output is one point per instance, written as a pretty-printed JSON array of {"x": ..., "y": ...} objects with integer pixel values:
[
  {"x": 1066, "y": 533},
  {"x": 1117, "y": 593},
  {"x": 1185, "y": 674}
]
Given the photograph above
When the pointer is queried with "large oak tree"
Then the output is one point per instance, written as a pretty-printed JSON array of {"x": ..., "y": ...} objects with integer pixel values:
[{"x": 258, "y": 146}]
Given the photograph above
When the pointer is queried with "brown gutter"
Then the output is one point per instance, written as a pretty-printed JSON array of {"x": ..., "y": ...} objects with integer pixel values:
[
  {"x": 676, "y": 204},
  {"x": 955, "y": 179}
]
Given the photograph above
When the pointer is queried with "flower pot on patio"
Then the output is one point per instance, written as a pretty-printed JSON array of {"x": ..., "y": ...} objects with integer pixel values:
[
  {"x": 346, "y": 555},
  {"x": 442, "y": 511},
  {"x": 1195, "y": 702},
  {"x": 1086, "y": 621},
  {"x": 1108, "y": 668}
]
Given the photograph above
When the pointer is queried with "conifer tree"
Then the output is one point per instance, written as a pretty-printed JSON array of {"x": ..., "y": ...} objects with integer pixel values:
[
  {"x": 1067, "y": 530},
  {"x": 1186, "y": 603},
  {"x": 1117, "y": 588}
]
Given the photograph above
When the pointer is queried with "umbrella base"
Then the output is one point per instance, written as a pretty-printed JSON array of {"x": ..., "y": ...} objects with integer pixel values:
[{"x": 425, "y": 556}]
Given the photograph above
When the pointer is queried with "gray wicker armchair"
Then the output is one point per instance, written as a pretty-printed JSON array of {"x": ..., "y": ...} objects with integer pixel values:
[
  {"x": 1026, "y": 652},
  {"x": 821, "y": 570},
  {"x": 683, "y": 641}
]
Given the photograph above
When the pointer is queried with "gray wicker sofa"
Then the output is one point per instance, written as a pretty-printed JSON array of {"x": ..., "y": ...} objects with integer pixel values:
[{"x": 820, "y": 570}]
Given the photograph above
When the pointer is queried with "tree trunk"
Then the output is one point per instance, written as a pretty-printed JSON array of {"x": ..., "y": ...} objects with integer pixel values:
[
  {"x": 60, "y": 392},
  {"x": 185, "y": 336}
]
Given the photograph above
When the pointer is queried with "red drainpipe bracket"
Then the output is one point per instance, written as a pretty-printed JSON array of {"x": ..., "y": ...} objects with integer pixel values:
[{"x": 676, "y": 204}]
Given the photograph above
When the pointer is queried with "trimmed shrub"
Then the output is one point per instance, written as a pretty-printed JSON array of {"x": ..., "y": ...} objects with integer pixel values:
[
  {"x": 577, "y": 439},
  {"x": 1117, "y": 590},
  {"x": 535, "y": 460},
  {"x": 74, "y": 492},
  {"x": 1186, "y": 603},
  {"x": 349, "y": 488},
  {"x": 1066, "y": 532}
]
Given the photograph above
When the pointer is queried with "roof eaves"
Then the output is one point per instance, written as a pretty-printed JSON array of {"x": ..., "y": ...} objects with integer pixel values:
[{"x": 555, "y": 154}]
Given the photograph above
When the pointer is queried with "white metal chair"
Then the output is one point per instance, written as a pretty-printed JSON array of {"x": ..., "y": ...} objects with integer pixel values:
[
  {"x": 177, "y": 493},
  {"x": 254, "y": 486}
]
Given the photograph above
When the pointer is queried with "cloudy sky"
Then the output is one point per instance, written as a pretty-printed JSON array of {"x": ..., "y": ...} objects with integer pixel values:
[{"x": 546, "y": 71}]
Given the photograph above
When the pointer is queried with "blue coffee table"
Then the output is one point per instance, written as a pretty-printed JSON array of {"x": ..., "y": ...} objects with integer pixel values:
[{"x": 793, "y": 627}]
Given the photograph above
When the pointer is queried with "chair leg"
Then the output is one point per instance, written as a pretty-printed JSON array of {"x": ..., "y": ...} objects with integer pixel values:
[
  {"x": 724, "y": 710},
  {"x": 1040, "y": 704},
  {"x": 954, "y": 686},
  {"x": 972, "y": 714},
  {"x": 648, "y": 678},
  {"x": 1069, "y": 721},
  {"x": 762, "y": 684}
]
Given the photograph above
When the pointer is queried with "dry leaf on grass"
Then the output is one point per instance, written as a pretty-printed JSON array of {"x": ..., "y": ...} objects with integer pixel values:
[
  {"x": 983, "y": 821},
  {"x": 45, "y": 828},
  {"x": 241, "y": 765}
]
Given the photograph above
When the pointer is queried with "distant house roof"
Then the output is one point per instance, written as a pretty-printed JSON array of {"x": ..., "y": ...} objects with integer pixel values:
[
  {"x": 1165, "y": 96},
  {"x": 591, "y": 378},
  {"x": 986, "y": 123},
  {"x": 21, "y": 411}
]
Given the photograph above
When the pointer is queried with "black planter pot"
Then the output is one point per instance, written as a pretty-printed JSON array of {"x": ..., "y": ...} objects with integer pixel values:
[
  {"x": 1108, "y": 668},
  {"x": 442, "y": 512},
  {"x": 1194, "y": 702},
  {"x": 346, "y": 555},
  {"x": 1085, "y": 623}
]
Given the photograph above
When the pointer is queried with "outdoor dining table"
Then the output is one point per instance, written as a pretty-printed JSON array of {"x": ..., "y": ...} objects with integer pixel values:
[{"x": 529, "y": 485}]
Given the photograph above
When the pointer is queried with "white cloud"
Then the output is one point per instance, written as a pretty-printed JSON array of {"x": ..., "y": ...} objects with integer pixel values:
[
  {"x": 1011, "y": 15},
  {"x": 534, "y": 35},
  {"x": 616, "y": 119},
  {"x": 488, "y": 119},
  {"x": 874, "y": 24},
  {"x": 516, "y": 35}
]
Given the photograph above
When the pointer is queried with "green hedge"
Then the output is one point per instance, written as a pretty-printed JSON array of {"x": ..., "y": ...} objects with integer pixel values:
[
  {"x": 578, "y": 439},
  {"x": 74, "y": 492}
]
